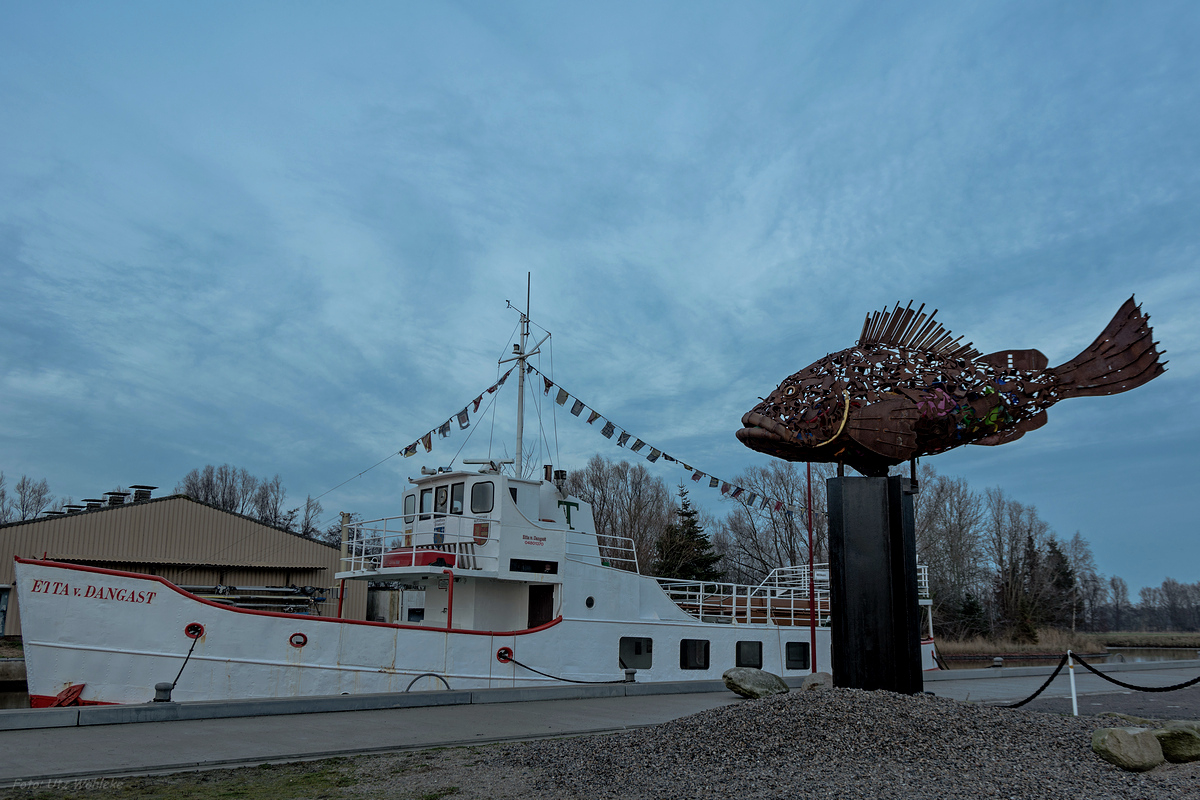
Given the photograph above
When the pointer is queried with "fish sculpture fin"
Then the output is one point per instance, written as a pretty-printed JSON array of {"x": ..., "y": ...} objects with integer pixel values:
[
  {"x": 887, "y": 427},
  {"x": 1016, "y": 360},
  {"x": 1123, "y": 357},
  {"x": 1016, "y": 432},
  {"x": 915, "y": 330}
]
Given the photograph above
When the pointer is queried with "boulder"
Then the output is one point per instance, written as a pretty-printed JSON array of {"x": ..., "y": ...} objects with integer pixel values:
[
  {"x": 818, "y": 680},
  {"x": 1132, "y": 749},
  {"x": 1192, "y": 724},
  {"x": 1140, "y": 722},
  {"x": 1179, "y": 745},
  {"x": 753, "y": 683}
]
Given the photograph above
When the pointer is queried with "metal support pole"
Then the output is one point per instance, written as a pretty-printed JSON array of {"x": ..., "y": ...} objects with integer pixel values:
[
  {"x": 813, "y": 606},
  {"x": 1074, "y": 698}
]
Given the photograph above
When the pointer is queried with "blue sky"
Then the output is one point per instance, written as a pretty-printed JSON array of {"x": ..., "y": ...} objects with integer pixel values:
[{"x": 282, "y": 235}]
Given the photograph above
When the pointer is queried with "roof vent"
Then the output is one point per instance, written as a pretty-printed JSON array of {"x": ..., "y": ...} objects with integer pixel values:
[
  {"x": 141, "y": 492},
  {"x": 116, "y": 498},
  {"x": 73, "y": 509},
  {"x": 54, "y": 514},
  {"x": 93, "y": 503}
]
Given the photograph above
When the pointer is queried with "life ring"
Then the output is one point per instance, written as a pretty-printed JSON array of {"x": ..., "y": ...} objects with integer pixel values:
[
  {"x": 193, "y": 630},
  {"x": 297, "y": 640},
  {"x": 504, "y": 655}
]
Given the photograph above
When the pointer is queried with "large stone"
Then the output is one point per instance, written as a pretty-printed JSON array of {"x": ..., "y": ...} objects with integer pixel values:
[
  {"x": 753, "y": 683},
  {"x": 1132, "y": 749},
  {"x": 1179, "y": 745},
  {"x": 818, "y": 680},
  {"x": 1191, "y": 724}
]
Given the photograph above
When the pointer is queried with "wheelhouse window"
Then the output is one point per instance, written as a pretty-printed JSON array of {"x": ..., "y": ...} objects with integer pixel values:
[
  {"x": 635, "y": 652},
  {"x": 410, "y": 508},
  {"x": 482, "y": 497},
  {"x": 749, "y": 654},
  {"x": 693, "y": 654},
  {"x": 456, "y": 498},
  {"x": 441, "y": 499},
  {"x": 426, "y": 503},
  {"x": 796, "y": 655}
]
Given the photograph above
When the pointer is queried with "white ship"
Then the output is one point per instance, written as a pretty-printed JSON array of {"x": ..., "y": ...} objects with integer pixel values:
[{"x": 519, "y": 590}]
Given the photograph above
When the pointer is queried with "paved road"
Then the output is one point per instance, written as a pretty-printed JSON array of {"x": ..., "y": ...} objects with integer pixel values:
[{"x": 142, "y": 748}]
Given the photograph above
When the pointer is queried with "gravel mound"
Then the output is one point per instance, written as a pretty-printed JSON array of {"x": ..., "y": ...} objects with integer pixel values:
[{"x": 845, "y": 743}]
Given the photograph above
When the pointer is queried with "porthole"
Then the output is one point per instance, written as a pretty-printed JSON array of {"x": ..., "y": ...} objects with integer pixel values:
[
  {"x": 504, "y": 655},
  {"x": 297, "y": 640},
  {"x": 591, "y": 601},
  {"x": 194, "y": 630}
]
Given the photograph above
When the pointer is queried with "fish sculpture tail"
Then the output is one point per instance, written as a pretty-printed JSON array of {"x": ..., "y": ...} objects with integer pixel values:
[{"x": 1123, "y": 357}]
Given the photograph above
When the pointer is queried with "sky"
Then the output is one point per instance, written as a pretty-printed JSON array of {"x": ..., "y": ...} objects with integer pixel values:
[{"x": 283, "y": 236}]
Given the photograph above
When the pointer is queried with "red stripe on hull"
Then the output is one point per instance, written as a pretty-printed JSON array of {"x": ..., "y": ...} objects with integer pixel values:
[{"x": 47, "y": 701}]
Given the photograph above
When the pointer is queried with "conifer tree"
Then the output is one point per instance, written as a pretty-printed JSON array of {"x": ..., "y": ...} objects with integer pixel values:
[{"x": 683, "y": 551}]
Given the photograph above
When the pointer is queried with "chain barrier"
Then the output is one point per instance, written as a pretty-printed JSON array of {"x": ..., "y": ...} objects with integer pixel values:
[
  {"x": 1177, "y": 686},
  {"x": 1049, "y": 680}
]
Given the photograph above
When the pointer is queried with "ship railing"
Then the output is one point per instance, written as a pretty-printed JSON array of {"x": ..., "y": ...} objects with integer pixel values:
[
  {"x": 797, "y": 577},
  {"x": 710, "y": 601},
  {"x": 437, "y": 541},
  {"x": 617, "y": 552}
]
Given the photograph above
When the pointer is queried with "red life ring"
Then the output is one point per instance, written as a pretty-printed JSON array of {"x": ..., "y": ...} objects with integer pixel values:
[
  {"x": 297, "y": 640},
  {"x": 193, "y": 630},
  {"x": 504, "y": 655}
]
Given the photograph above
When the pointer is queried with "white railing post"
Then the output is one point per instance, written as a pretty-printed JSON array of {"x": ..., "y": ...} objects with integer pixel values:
[{"x": 1074, "y": 698}]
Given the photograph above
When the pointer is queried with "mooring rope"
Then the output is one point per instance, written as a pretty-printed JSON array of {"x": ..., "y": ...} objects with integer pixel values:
[{"x": 555, "y": 677}]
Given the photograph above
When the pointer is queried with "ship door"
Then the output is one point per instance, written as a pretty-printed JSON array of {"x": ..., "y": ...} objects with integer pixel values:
[{"x": 541, "y": 604}]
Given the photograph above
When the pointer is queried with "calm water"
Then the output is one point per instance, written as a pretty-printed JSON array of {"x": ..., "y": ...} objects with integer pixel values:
[{"x": 1116, "y": 655}]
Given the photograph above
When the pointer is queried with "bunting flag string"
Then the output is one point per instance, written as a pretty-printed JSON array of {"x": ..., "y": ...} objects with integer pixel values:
[
  {"x": 653, "y": 454},
  {"x": 463, "y": 418}
]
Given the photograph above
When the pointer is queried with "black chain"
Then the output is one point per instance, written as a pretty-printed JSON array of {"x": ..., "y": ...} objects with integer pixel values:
[
  {"x": 555, "y": 677},
  {"x": 1095, "y": 671},
  {"x": 1053, "y": 675}
]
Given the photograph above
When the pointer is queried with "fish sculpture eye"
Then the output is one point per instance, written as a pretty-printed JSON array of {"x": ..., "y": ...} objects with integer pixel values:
[{"x": 908, "y": 388}]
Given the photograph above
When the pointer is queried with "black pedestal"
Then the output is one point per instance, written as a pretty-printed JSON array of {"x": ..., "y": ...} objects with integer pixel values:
[{"x": 873, "y": 585}]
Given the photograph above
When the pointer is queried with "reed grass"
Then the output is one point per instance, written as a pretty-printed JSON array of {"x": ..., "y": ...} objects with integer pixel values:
[
  {"x": 1050, "y": 640},
  {"x": 1147, "y": 639}
]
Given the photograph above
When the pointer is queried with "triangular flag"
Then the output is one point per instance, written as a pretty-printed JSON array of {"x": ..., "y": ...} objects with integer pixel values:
[
  {"x": 503, "y": 378},
  {"x": 592, "y": 417},
  {"x": 667, "y": 457},
  {"x": 477, "y": 401},
  {"x": 528, "y": 368},
  {"x": 549, "y": 385},
  {"x": 724, "y": 488},
  {"x": 712, "y": 483},
  {"x": 463, "y": 422},
  {"x": 622, "y": 439},
  {"x": 562, "y": 397},
  {"x": 576, "y": 408},
  {"x": 638, "y": 445},
  {"x": 609, "y": 430},
  {"x": 427, "y": 440},
  {"x": 654, "y": 454},
  {"x": 411, "y": 450},
  {"x": 778, "y": 505},
  {"x": 686, "y": 467},
  {"x": 698, "y": 475}
]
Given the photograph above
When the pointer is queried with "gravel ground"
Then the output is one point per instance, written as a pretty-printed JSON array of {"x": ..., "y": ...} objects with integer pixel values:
[
  {"x": 839, "y": 743},
  {"x": 846, "y": 743}
]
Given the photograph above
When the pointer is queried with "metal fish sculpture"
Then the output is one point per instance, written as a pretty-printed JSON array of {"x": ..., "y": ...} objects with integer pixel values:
[{"x": 908, "y": 389}]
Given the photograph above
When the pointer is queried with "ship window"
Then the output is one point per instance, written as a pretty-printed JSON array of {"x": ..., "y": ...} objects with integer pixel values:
[
  {"x": 426, "y": 502},
  {"x": 635, "y": 652},
  {"x": 481, "y": 497},
  {"x": 512, "y": 490},
  {"x": 441, "y": 498},
  {"x": 525, "y": 565},
  {"x": 797, "y": 655},
  {"x": 410, "y": 508},
  {"x": 456, "y": 498},
  {"x": 693, "y": 654},
  {"x": 749, "y": 654}
]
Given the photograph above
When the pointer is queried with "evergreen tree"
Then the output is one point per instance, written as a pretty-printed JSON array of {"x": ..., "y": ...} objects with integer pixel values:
[{"x": 683, "y": 551}]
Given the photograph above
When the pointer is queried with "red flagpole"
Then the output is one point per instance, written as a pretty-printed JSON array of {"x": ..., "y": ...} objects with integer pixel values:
[{"x": 812, "y": 595}]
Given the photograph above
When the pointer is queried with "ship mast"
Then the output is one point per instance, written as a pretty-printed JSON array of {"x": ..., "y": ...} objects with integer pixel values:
[{"x": 521, "y": 356}]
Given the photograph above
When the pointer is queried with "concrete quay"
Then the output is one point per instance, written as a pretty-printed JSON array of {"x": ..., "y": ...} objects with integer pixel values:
[{"x": 90, "y": 742}]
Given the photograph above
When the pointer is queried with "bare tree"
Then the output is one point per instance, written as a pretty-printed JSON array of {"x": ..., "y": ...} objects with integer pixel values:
[
  {"x": 767, "y": 527},
  {"x": 269, "y": 507},
  {"x": 33, "y": 497},
  {"x": 6, "y": 506},
  {"x": 311, "y": 518},
  {"x": 226, "y": 487},
  {"x": 627, "y": 501},
  {"x": 949, "y": 542}
]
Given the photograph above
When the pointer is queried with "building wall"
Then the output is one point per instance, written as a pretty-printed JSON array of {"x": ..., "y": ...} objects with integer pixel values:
[{"x": 182, "y": 540}]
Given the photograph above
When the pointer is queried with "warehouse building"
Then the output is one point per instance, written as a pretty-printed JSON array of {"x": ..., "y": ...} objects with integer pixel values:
[{"x": 224, "y": 557}]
